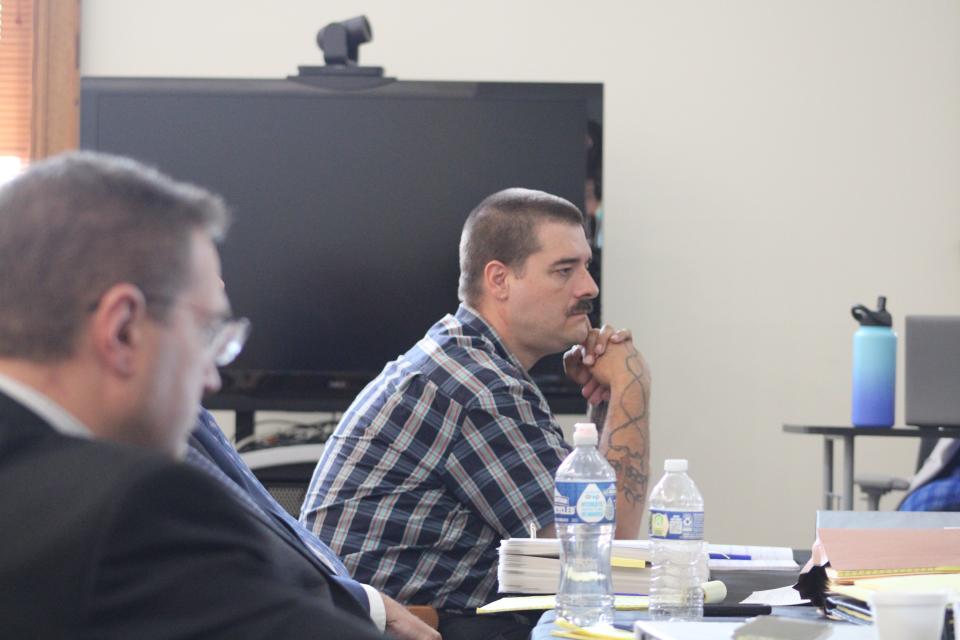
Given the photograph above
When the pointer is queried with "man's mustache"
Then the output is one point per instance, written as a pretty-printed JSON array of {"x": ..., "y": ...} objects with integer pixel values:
[{"x": 584, "y": 306}]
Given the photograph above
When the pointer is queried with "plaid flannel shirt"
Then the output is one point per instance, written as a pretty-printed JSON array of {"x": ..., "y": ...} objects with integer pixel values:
[
  {"x": 450, "y": 449},
  {"x": 942, "y": 493}
]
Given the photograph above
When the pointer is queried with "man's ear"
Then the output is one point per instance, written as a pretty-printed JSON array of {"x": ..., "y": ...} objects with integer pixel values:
[
  {"x": 117, "y": 327},
  {"x": 496, "y": 280}
]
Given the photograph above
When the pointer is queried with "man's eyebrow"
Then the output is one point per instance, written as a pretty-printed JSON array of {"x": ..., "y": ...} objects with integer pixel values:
[{"x": 564, "y": 262}]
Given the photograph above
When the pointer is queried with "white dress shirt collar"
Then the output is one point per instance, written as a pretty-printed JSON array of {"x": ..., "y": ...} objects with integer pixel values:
[{"x": 58, "y": 417}]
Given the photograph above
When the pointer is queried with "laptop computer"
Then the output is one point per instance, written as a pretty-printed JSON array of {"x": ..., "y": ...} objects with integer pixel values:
[{"x": 932, "y": 374}]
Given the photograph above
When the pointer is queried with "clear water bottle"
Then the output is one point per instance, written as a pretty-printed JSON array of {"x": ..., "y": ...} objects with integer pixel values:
[
  {"x": 676, "y": 537},
  {"x": 584, "y": 508}
]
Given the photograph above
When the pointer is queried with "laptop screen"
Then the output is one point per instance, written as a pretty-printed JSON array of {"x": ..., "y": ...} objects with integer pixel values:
[{"x": 932, "y": 371}]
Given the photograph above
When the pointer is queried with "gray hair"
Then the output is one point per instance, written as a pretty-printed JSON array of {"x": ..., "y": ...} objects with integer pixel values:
[
  {"x": 504, "y": 227},
  {"x": 73, "y": 226}
]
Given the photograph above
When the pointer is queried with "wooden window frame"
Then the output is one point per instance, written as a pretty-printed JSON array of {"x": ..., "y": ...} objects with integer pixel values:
[{"x": 55, "y": 125}]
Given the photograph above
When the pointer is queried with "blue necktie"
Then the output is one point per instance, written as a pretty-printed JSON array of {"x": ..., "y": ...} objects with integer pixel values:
[{"x": 317, "y": 548}]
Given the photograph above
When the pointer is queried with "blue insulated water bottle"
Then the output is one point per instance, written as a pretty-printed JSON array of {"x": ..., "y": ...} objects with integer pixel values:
[{"x": 874, "y": 366}]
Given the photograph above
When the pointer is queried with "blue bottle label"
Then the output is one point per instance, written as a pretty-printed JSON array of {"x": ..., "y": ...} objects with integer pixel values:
[
  {"x": 670, "y": 524},
  {"x": 584, "y": 502}
]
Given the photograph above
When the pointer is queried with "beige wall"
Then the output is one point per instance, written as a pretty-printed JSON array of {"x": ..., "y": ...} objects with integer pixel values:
[{"x": 769, "y": 163}]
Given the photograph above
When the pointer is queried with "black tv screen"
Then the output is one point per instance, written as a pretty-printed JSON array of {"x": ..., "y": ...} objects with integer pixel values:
[{"x": 348, "y": 206}]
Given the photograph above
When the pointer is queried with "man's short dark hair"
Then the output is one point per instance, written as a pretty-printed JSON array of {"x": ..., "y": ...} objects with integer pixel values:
[
  {"x": 504, "y": 227},
  {"x": 73, "y": 226}
]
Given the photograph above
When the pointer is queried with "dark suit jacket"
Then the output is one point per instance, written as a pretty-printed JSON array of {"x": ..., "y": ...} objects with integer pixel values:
[
  {"x": 208, "y": 441},
  {"x": 104, "y": 541}
]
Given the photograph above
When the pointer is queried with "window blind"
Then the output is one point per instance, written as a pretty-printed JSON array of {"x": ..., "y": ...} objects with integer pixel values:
[{"x": 16, "y": 80}]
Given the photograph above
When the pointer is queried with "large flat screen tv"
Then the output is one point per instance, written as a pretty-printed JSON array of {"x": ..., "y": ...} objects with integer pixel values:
[{"x": 348, "y": 206}]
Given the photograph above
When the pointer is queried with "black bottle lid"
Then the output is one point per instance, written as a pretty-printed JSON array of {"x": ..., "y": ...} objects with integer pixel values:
[{"x": 873, "y": 318}]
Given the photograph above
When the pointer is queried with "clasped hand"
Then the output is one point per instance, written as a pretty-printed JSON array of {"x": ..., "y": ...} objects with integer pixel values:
[{"x": 586, "y": 365}]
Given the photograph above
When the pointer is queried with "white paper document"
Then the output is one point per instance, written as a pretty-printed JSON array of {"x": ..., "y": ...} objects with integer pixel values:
[
  {"x": 782, "y": 597},
  {"x": 731, "y": 557},
  {"x": 646, "y": 630}
]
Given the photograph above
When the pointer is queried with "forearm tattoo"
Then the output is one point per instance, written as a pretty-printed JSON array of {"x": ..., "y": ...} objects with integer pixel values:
[
  {"x": 597, "y": 414},
  {"x": 628, "y": 442}
]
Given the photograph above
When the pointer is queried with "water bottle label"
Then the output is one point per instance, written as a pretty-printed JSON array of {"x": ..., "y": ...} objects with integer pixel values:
[
  {"x": 668, "y": 524},
  {"x": 584, "y": 502}
]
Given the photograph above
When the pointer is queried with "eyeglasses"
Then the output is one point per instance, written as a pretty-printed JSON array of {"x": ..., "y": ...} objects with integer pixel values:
[
  {"x": 228, "y": 342},
  {"x": 224, "y": 335},
  {"x": 226, "y": 339}
]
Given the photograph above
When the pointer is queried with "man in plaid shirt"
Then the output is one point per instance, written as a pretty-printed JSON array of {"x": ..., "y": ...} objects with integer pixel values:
[
  {"x": 453, "y": 447},
  {"x": 936, "y": 487}
]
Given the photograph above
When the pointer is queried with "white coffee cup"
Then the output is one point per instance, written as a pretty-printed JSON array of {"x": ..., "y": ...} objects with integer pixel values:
[{"x": 904, "y": 615}]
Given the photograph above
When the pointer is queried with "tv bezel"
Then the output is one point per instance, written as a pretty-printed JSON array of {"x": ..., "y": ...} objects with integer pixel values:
[{"x": 246, "y": 391}]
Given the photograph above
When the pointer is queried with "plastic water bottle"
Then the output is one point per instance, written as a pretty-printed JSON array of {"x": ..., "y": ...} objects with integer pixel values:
[
  {"x": 676, "y": 537},
  {"x": 584, "y": 508},
  {"x": 874, "y": 367}
]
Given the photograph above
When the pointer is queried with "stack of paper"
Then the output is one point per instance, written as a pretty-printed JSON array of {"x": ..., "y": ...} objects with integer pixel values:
[
  {"x": 713, "y": 592},
  {"x": 550, "y": 547},
  {"x": 533, "y": 566},
  {"x": 861, "y": 589},
  {"x": 865, "y": 553},
  {"x": 863, "y": 561},
  {"x": 850, "y": 602}
]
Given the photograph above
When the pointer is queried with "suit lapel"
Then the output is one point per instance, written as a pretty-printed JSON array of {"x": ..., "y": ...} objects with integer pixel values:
[{"x": 197, "y": 457}]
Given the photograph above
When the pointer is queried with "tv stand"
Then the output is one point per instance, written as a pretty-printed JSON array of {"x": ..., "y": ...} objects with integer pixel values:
[{"x": 244, "y": 425}]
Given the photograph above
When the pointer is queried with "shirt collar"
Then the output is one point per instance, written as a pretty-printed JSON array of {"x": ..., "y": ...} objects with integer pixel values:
[
  {"x": 58, "y": 417},
  {"x": 470, "y": 317}
]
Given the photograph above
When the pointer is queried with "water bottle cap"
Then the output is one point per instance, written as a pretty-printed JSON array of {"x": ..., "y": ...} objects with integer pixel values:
[
  {"x": 674, "y": 465},
  {"x": 870, "y": 318},
  {"x": 584, "y": 433}
]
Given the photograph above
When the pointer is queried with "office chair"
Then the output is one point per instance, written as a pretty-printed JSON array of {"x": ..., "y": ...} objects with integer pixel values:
[
  {"x": 876, "y": 485},
  {"x": 285, "y": 472}
]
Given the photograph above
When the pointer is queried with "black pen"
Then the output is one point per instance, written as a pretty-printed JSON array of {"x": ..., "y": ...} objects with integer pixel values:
[{"x": 736, "y": 610}]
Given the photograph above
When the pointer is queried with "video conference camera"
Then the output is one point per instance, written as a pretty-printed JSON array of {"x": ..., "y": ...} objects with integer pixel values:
[{"x": 340, "y": 43}]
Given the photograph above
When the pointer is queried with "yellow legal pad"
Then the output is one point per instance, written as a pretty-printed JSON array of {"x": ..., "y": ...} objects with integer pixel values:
[{"x": 862, "y": 588}]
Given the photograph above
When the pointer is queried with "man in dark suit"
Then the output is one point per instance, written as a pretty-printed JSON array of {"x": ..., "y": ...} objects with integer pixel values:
[
  {"x": 210, "y": 451},
  {"x": 112, "y": 321}
]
